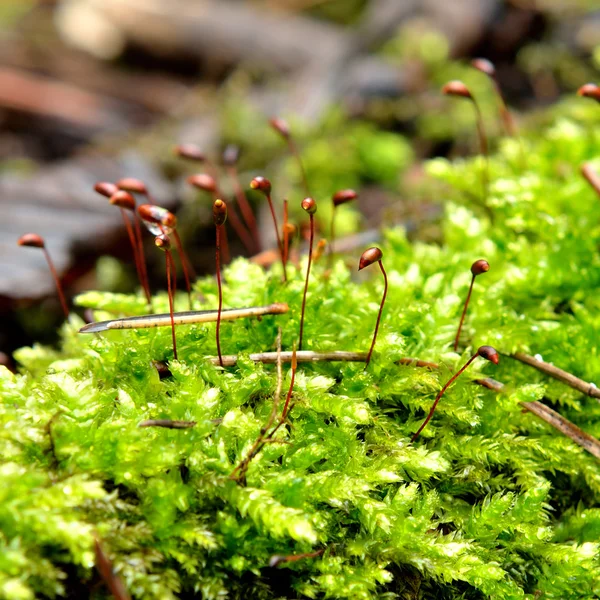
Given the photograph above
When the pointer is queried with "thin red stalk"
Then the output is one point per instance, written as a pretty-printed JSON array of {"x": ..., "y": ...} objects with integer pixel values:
[
  {"x": 485, "y": 174},
  {"x": 441, "y": 393},
  {"x": 142, "y": 258},
  {"x": 310, "y": 251},
  {"x": 218, "y": 260},
  {"x": 184, "y": 264},
  {"x": 294, "y": 151},
  {"x": 286, "y": 235},
  {"x": 61, "y": 295},
  {"x": 331, "y": 238},
  {"x": 171, "y": 265},
  {"x": 385, "y": 290},
  {"x": 279, "y": 243},
  {"x": 505, "y": 116},
  {"x": 291, "y": 388},
  {"x": 464, "y": 312},
  {"x": 132, "y": 241},
  {"x": 245, "y": 207},
  {"x": 237, "y": 224}
]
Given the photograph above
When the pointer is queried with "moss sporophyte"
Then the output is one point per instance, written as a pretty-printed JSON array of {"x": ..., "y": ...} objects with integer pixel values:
[{"x": 283, "y": 467}]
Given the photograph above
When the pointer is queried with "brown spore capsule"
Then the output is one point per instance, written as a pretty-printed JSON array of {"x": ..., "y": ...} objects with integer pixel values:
[
  {"x": 309, "y": 205},
  {"x": 32, "y": 240},
  {"x": 219, "y": 212},
  {"x": 203, "y": 181},
  {"x": 485, "y": 66},
  {"x": 590, "y": 90},
  {"x": 131, "y": 184},
  {"x": 369, "y": 257},
  {"x": 123, "y": 199},
  {"x": 261, "y": 184},
  {"x": 480, "y": 266},
  {"x": 280, "y": 126},
  {"x": 163, "y": 242},
  {"x": 489, "y": 353},
  {"x": 190, "y": 152},
  {"x": 343, "y": 196},
  {"x": 106, "y": 188},
  {"x": 456, "y": 88}
]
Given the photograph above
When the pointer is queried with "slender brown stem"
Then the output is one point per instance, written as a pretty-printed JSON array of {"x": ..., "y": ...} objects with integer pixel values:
[
  {"x": 107, "y": 572},
  {"x": 185, "y": 265},
  {"x": 385, "y": 290},
  {"x": 296, "y": 154},
  {"x": 170, "y": 265},
  {"x": 61, "y": 295},
  {"x": 142, "y": 258},
  {"x": 131, "y": 236},
  {"x": 310, "y": 251},
  {"x": 237, "y": 224},
  {"x": 218, "y": 260},
  {"x": 286, "y": 233},
  {"x": 331, "y": 238},
  {"x": 441, "y": 393},
  {"x": 245, "y": 207},
  {"x": 464, "y": 312},
  {"x": 483, "y": 143},
  {"x": 279, "y": 243},
  {"x": 167, "y": 424}
]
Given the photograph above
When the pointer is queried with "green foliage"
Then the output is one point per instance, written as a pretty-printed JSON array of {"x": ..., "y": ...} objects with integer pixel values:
[{"x": 490, "y": 502}]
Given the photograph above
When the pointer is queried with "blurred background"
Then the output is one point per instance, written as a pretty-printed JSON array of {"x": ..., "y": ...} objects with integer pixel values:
[{"x": 97, "y": 90}]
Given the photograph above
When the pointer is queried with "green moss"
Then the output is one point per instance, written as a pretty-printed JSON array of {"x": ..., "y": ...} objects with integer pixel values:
[{"x": 490, "y": 502}]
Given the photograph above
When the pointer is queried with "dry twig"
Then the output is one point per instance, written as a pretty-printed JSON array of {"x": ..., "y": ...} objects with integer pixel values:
[
  {"x": 540, "y": 410},
  {"x": 589, "y": 389}
]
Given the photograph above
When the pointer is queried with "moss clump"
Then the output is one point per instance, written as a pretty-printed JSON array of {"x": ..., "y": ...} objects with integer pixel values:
[{"x": 490, "y": 502}]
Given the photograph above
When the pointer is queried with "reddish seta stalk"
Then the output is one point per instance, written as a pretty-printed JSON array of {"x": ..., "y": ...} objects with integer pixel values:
[
  {"x": 283, "y": 129},
  {"x": 33, "y": 240},
  {"x": 219, "y": 217},
  {"x": 163, "y": 242},
  {"x": 340, "y": 197},
  {"x": 126, "y": 202},
  {"x": 207, "y": 183},
  {"x": 286, "y": 236},
  {"x": 460, "y": 90},
  {"x": 160, "y": 220},
  {"x": 486, "y": 352},
  {"x": 310, "y": 206},
  {"x": 262, "y": 184},
  {"x": 370, "y": 256},
  {"x": 477, "y": 268},
  {"x": 230, "y": 159}
]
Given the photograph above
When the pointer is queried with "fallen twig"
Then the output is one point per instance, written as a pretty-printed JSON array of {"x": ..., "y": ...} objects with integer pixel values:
[
  {"x": 540, "y": 410},
  {"x": 167, "y": 423},
  {"x": 589, "y": 389}
]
